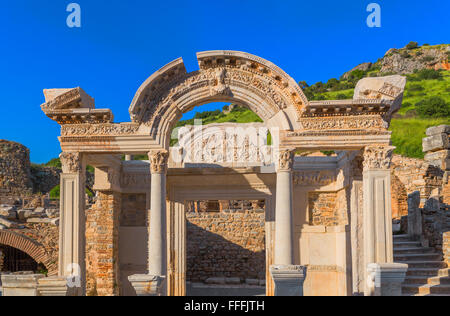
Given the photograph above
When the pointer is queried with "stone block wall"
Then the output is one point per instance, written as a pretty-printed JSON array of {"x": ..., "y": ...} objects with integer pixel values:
[
  {"x": 230, "y": 243},
  {"x": 327, "y": 208},
  {"x": 446, "y": 247},
  {"x": 102, "y": 236},
  {"x": 14, "y": 168}
]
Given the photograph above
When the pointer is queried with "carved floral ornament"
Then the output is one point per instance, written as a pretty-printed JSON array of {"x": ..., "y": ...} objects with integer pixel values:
[
  {"x": 378, "y": 157},
  {"x": 70, "y": 162},
  {"x": 159, "y": 161}
]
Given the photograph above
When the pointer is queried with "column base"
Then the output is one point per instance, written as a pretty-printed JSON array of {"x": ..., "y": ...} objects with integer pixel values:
[
  {"x": 385, "y": 279},
  {"x": 20, "y": 284},
  {"x": 55, "y": 286},
  {"x": 288, "y": 279},
  {"x": 148, "y": 285}
]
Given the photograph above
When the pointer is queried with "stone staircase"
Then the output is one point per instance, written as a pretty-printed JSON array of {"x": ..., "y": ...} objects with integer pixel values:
[{"x": 428, "y": 274}]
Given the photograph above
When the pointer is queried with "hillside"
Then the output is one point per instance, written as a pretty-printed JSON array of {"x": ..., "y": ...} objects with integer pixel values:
[{"x": 426, "y": 100}]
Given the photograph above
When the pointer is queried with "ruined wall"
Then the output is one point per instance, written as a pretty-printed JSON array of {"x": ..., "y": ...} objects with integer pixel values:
[
  {"x": 446, "y": 247},
  {"x": 102, "y": 251},
  {"x": 407, "y": 177},
  {"x": 327, "y": 208},
  {"x": 14, "y": 168},
  {"x": 230, "y": 243},
  {"x": 44, "y": 179}
]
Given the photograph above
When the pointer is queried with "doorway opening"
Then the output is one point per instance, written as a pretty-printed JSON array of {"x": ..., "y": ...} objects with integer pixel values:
[{"x": 226, "y": 249}]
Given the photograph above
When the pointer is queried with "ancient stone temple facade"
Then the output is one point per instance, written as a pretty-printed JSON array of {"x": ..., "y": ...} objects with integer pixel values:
[{"x": 327, "y": 216}]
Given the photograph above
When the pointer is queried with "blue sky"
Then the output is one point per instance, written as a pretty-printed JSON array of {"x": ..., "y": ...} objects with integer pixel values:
[{"x": 121, "y": 43}]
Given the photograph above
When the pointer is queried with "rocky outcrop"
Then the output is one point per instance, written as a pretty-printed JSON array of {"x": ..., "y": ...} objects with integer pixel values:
[{"x": 406, "y": 61}]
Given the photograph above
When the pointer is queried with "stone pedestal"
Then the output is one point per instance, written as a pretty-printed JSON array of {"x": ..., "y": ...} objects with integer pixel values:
[
  {"x": 288, "y": 279},
  {"x": 148, "y": 285},
  {"x": 20, "y": 285},
  {"x": 385, "y": 279},
  {"x": 54, "y": 286}
]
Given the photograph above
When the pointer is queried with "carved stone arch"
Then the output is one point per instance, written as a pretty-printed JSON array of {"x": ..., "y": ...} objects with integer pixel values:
[
  {"x": 29, "y": 246},
  {"x": 224, "y": 76}
]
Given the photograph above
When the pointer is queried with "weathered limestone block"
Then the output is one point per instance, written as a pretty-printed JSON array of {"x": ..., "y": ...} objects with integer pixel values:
[
  {"x": 148, "y": 285},
  {"x": 436, "y": 142},
  {"x": 7, "y": 223},
  {"x": 389, "y": 87},
  {"x": 414, "y": 216},
  {"x": 385, "y": 279},
  {"x": 288, "y": 279},
  {"x": 437, "y": 130},
  {"x": 439, "y": 159},
  {"x": 20, "y": 285},
  {"x": 8, "y": 213},
  {"x": 67, "y": 98},
  {"x": 54, "y": 286}
]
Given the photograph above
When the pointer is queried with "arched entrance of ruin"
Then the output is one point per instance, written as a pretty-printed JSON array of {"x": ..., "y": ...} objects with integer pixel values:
[
  {"x": 224, "y": 76},
  {"x": 29, "y": 254}
]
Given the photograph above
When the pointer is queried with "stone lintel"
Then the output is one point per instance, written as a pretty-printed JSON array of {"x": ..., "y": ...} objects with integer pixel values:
[
  {"x": 147, "y": 285},
  {"x": 288, "y": 279}
]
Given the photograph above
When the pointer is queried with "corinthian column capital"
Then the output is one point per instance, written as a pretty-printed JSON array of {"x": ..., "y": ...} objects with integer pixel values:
[
  {"x": 70, "y": 162},
  {"x": 286, "y": 160},
  {"x": 159, "y": 160},
  {"x": 378, "y": 157}
]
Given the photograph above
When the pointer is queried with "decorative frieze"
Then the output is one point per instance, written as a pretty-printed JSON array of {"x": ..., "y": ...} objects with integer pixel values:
[
  {"x": 321, "y": 177},
  {"x": 106, "y": 129},
  {"x": 159, "y": 161},
  {"x": 378, "y": 157},
  {"x": 344, "y": 123},
  {"x": 71, "y": 162}
]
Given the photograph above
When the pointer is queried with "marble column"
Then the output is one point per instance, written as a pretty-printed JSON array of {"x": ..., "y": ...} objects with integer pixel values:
[
  {"x": 287, "y": 277},
  {"x": 153, "y": 284},
  {"x": 284, "y": 226},
  {"x": 72, "y": 221},
  {"x": 377, "y": 211}
]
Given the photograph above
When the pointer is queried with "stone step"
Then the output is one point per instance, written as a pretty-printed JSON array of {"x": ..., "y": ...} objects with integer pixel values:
[
  {"x": 412, "y": 250},
  {"x": 425, "y": 289},
  {"x": 427, "y": 280},
  {"x": 418, "y": 257},
  {"x": 425, "y": 264},
  {"x": 429, "y": 272},
  {"x": 406, "y": 244},
  {"x": 401, "y": 238}
]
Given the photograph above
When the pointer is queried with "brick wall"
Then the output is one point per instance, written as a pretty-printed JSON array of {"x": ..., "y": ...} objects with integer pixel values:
[
  {"x": 102, "y": 236},
  {"x": 230, "y": 243}
]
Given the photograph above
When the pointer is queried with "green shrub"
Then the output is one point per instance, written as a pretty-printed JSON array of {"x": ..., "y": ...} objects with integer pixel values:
[
  {"x": 415, "y": 87},
  {"x": 56, "y": 162},
  {"x": 433, "y": 107},
  {"x": 341, "y": 96},
  {"x": 428, "y": 59},
  {"x": 412, "y": 45}
]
